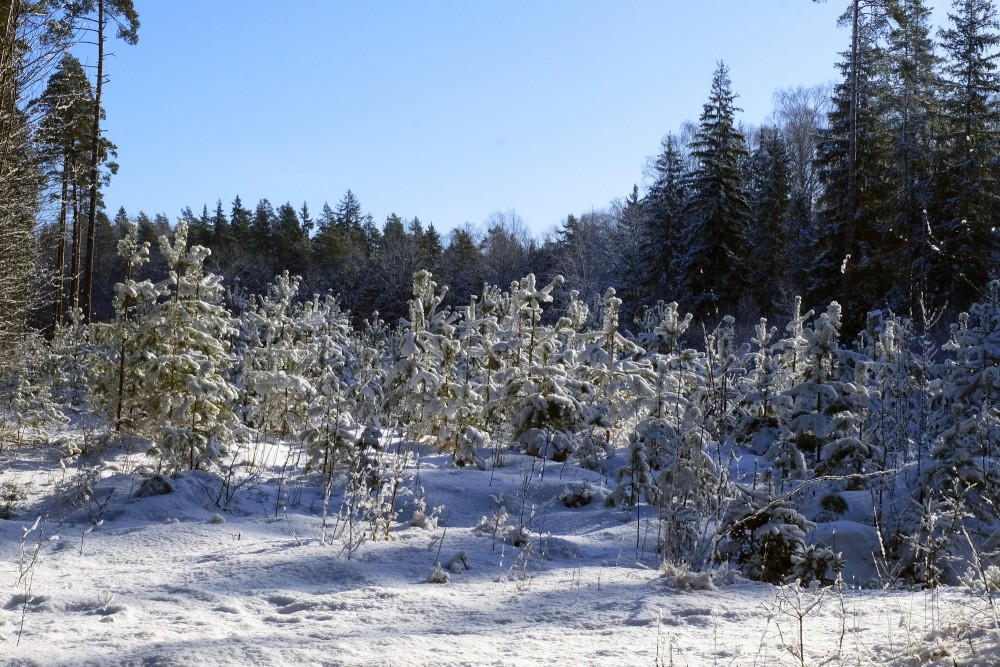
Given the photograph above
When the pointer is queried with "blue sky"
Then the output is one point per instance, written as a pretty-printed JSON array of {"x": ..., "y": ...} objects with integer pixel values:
[{"x": 443, "y": 110}]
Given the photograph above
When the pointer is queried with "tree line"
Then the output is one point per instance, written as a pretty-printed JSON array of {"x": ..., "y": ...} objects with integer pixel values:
[{"x": 878, "y": 193}]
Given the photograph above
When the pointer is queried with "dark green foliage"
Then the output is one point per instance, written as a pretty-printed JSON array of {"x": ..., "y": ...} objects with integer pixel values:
[
  {"x": 834, "y": 503},
  {"x": 815, "y": 563},
  {"x": 770, "y": 208},
  {"x": 763, "y": 533},
  {"x": 969, "y": 144},
  {"x": 714, "y": 237},
  {"x": 291, "y": 241},
  {"x": 851, "y": 158},
  {"x": 911, "y": 97},
  {"x": 663, "y": 210}
]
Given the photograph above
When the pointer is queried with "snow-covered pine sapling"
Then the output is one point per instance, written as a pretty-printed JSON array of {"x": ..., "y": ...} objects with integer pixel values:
[
  {"x": 467, "y": 443},
  {"x": 549, "y": 413},
  {"x": 635, "y": 479},
  {"x": 367, "y": 388},
  {"x": 723, "y": 376},
  {"x": 186, "y": 399},
  {"x": 27, "y": 409},
  {"x": 761, "y": 532},
  {"x": 12, "y": 497},
  {"x": 790, "y": 347},
  {"x": 74, "y": 360},
  {"x": 849, "y": 451},
  {"x": 971, "y": 394},
  {"x": 437, "y": 575},
  {"x": 528, "y": 300},
  {"x": 816, "y": 563},
  {"x": 763, "y": 407},
  {"x": 663, "y": 328},
  {"x": 130, "y": 297},
  {"x": 375, "y": 485},
  {"x": 331, "y": 434},
  {"x": 422, "y": 518},
  {"x": 925, "y": 550},
  {"x": 276, "y": 365},
  {"x": 580, "y": 494},
  {"x": 614, "y": 385},
  {"x": 901, "y": 396},
  {"x": 418, "y": 389},
  {"x": 815, "y": 388},
  {"x": 496, "y": 524},
  {"x": 687, "y": 473}
]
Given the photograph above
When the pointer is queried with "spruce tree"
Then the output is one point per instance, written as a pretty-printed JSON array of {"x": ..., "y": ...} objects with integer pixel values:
[
  {"x": 222, "y": 235},
  {"x": 912, "y": 101},
  {"x": 664, "y": 206},
  {"x": 462, "y": 267},
  {"x": 852, "y": 152},
  {"x": 291, "y": 248},
  {"x": 715, "y": 231},
  {"x": 970, "y": 142},
  {"x": 770, "y": 202},
  {"x": 240, "y": 223}
]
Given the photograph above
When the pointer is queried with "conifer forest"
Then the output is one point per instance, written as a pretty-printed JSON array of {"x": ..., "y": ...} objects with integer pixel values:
[{"x": 768, "y": 378}]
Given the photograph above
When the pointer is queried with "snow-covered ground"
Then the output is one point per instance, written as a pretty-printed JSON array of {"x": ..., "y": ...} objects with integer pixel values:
[{"x": 176, "y": 580}]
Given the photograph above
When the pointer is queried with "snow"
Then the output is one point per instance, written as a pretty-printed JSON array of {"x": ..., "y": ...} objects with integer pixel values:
[{"x": 174, "y": 579}]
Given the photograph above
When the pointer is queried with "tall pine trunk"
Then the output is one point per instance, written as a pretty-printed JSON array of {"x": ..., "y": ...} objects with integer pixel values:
[
  {"x": 95, "y": 160},
  {"x": 57, "y": 300},
  {"x": 9, "y": 10},
  {"x": 74, "y": 266}
]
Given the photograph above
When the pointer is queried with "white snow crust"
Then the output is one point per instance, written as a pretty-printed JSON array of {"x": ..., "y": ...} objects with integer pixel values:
[{"x": 175, "y": 580}]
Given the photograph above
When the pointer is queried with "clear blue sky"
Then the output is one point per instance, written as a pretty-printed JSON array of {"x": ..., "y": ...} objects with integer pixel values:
[{"x": 443, "y": 110}]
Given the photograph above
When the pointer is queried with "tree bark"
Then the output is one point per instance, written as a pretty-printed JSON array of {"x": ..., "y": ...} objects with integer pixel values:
[
  {"x": 852, "y": 158},
  {"x": 95, "y": 161},
  {"x": 74, "y": 262},
  {"x": 9, "y": 11},
  {"x": 57, "y": 300}
]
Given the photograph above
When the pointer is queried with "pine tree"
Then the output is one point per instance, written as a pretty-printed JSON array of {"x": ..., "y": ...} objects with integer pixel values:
[
  {"x": 199, "y": 226},
  {"x": 126, "y": 18},
  {"x": 430, "y": 249},
  {"x": 762, "y": 533},
  {"x": 261, "y": 230},
  {"x": 396, "y": 258},
  {"x": 66, "y": 106},
  {"x": 966, "y": 457},
  {"x": 24, "y": 29},
  {"x": 121, "y": 384},
  {"x": 343, "y": 246},
  {"x": 628, "y": 252},
  {"x": 276, "y": 368},
  {"x": 185, "y": 401},
  {"x": 713, "y": 267}
]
